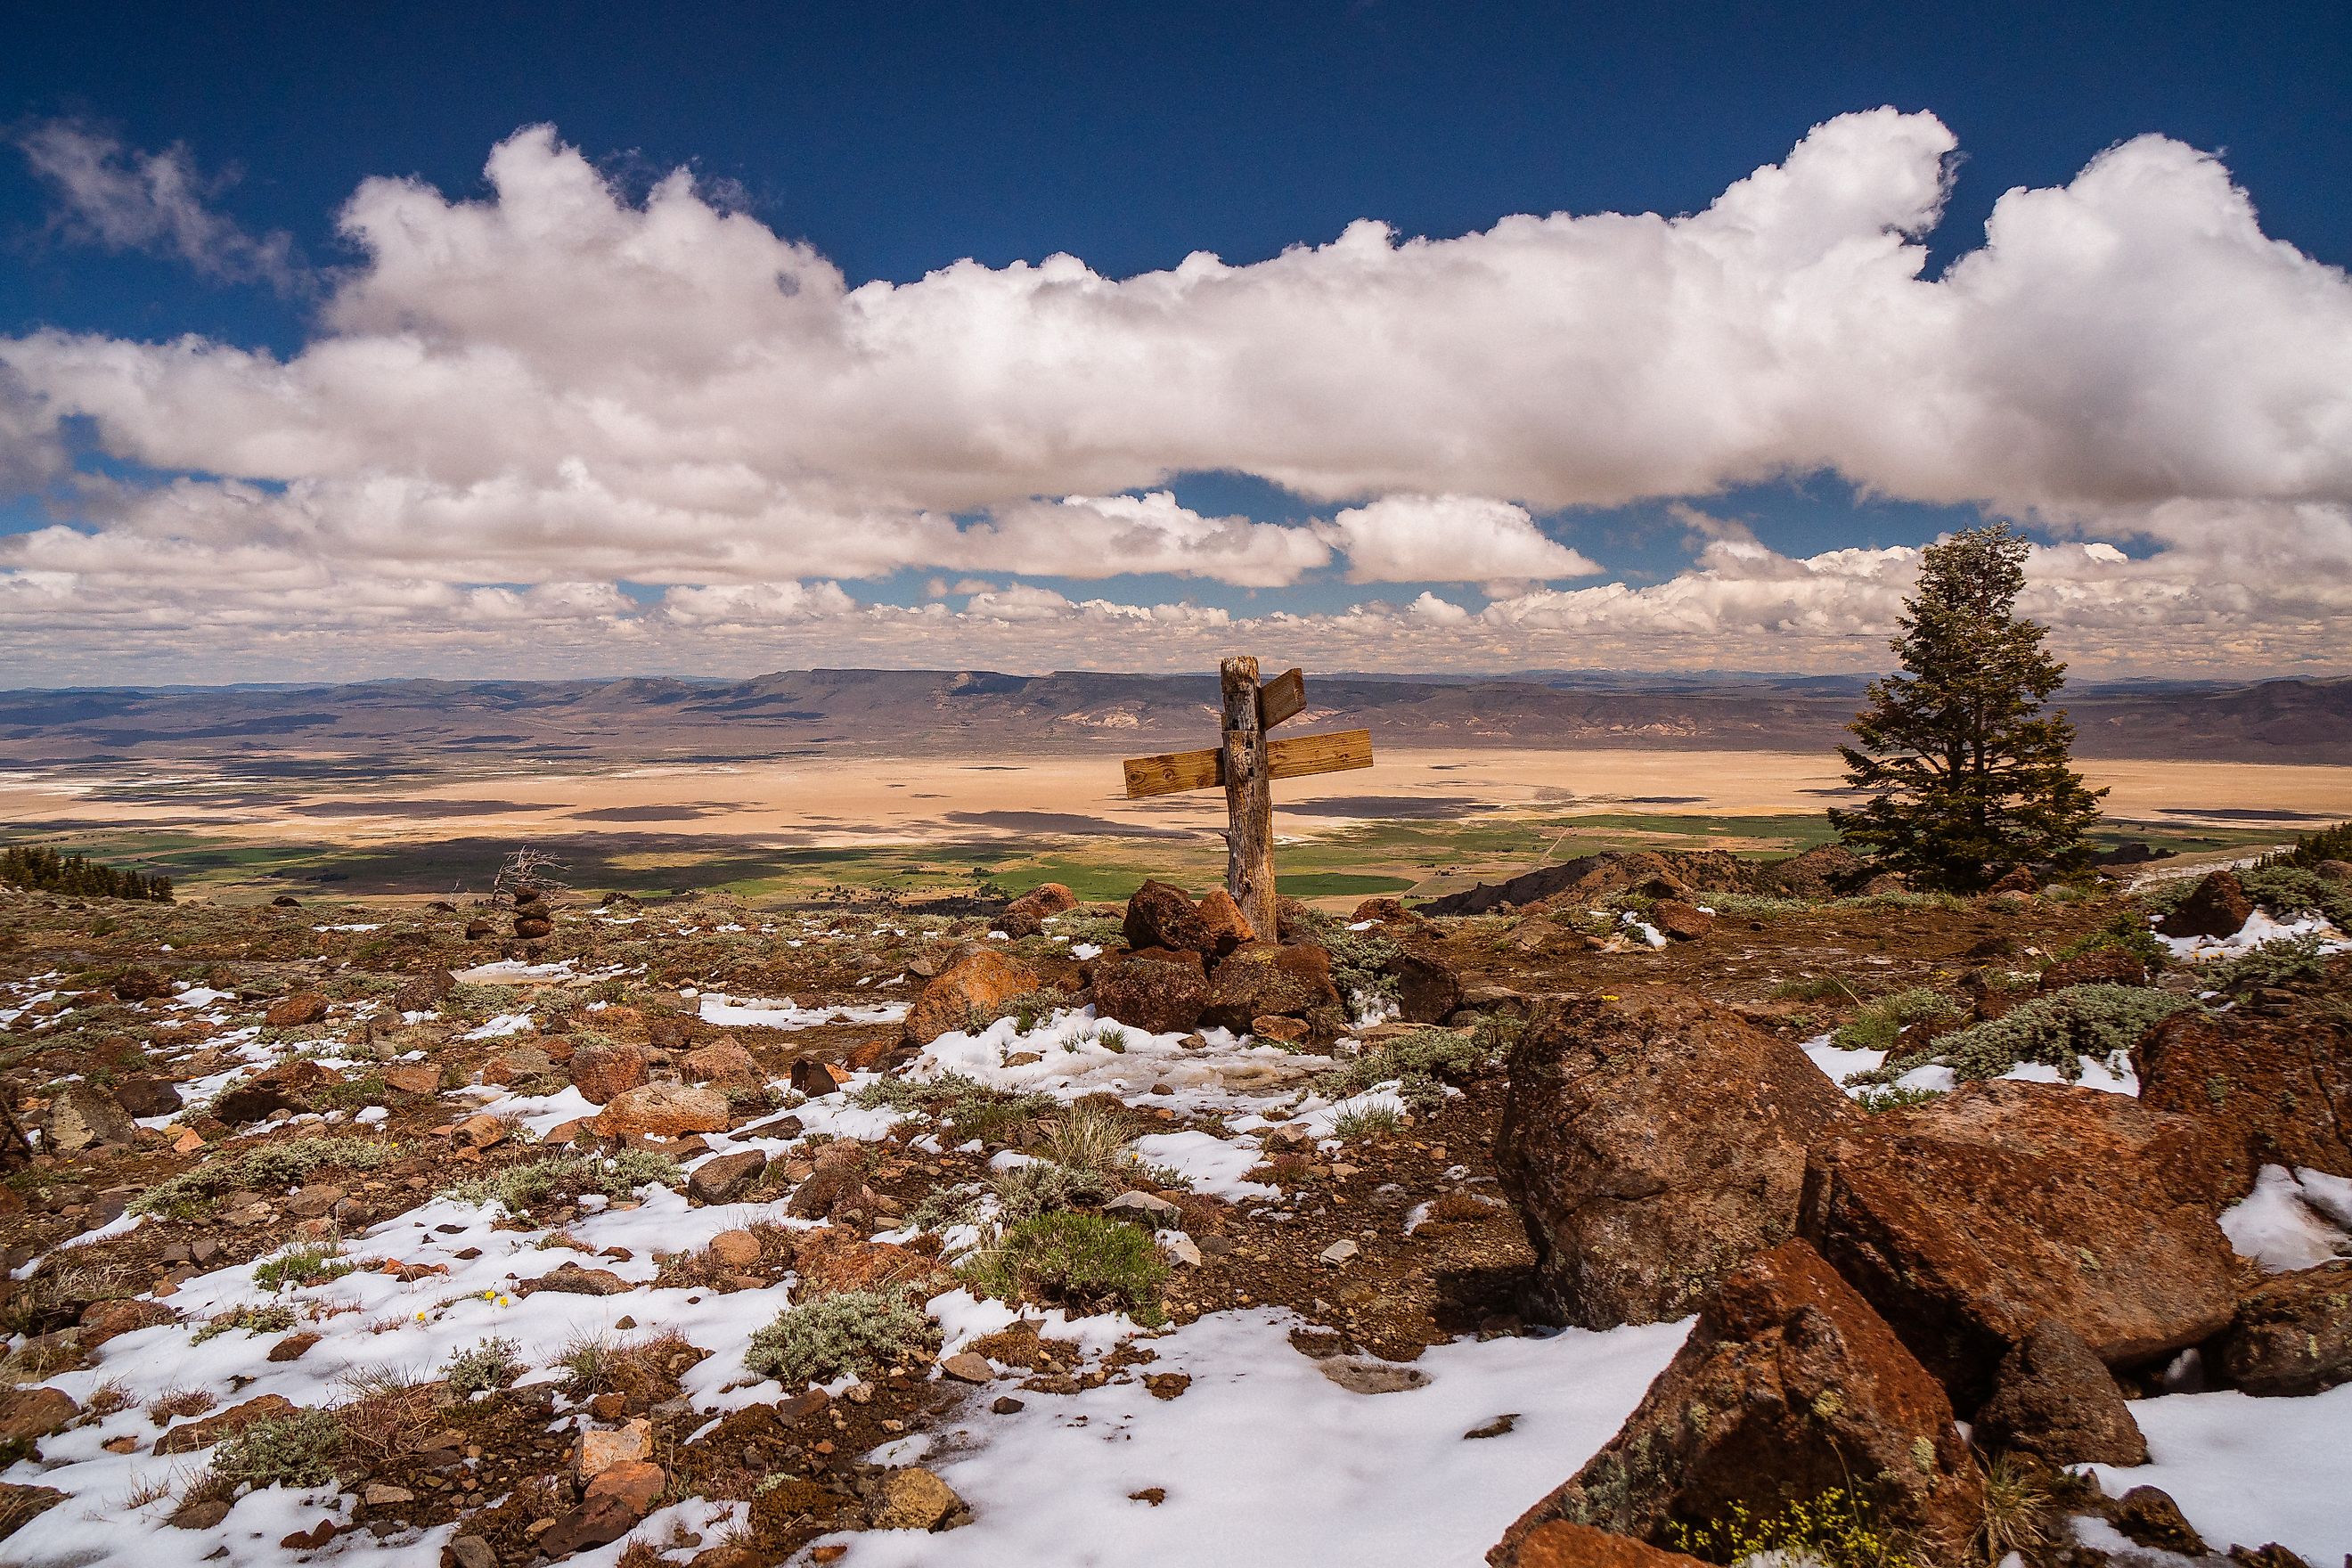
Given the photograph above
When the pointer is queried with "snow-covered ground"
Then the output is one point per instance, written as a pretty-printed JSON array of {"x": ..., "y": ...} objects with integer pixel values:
[{"x": 1265, "y": 1460}]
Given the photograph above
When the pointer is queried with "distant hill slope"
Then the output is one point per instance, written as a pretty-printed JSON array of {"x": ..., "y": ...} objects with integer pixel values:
[{"x": 923, "y": 711}]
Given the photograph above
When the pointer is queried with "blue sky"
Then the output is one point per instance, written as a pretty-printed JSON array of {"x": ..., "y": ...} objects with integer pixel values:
[{"x": 893, "y": 141}]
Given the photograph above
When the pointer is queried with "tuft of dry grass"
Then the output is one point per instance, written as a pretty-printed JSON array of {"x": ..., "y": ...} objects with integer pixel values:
[
  {"x": 175, "y": 1403},
  {"x": 109, "y": 1398}
]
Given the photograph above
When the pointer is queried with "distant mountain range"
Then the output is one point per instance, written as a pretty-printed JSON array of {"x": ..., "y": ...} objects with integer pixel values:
[{"x": 975, "y": 711}]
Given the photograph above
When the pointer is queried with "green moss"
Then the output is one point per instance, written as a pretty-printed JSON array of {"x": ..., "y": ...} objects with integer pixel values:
[
  {"x": 303, "y": 1449},
  {"x": 1881, "y": 1022},
  {"x": 276, "y": 1165},
  {"x": 519, "y": 1187}
]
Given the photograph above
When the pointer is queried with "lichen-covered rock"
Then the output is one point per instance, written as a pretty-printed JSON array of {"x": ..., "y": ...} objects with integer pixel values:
[
  {"x": 1262, "y": 980},
  {"x": 1788, "y": 1386},
  {"x": 966, "y": 992},
  {"x": 723, "y": 1178},
  {"x": 1152, "y": 988},
  {"x": 2292, "y": 1335},
  {"x": 914, "y": 1499},
  {"x": 1651, "y": 1146},
  {"x": 1163, "y": 915},
  {"x": 664, "y": 1110},
  {"x": 1428, "y": 988},
  {"x": 2262, "y": 1090},
  {"x": 2056, "y": 1401},
  {"x": 724, "y": 1063},
  {"x": 84, "y": 1115},
  {"x": 2218, "y": 906},
  {"x": 1968, "y": 1221}
]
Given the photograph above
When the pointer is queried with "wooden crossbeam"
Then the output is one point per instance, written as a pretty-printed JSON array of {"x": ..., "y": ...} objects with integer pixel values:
[
  {"x": 1284, "y": 697},
  {"x": 1299, "y": 756}
]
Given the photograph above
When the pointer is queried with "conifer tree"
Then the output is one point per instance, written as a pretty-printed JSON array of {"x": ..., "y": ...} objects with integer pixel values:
[{"x": 1970, "y": 774}]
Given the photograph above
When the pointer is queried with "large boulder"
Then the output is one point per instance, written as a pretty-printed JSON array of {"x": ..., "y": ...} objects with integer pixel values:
[
  {"x": 603, "y": 1073},
  {"x": 2260, "y": 1091},
  {"x": 664, "y": 1110},
  {"x": 724, "y": 1063},
  {"x": 2056, "y": 1401},
  {"x": 296, "y": 1012},
  {"x": 1163, "y": 915},
  {"x": 286, "y": 1086},
  {"x": 1968, "y": 1221},
  {"x": 147, "y": 1095},
  {"x": 2292, "y": 1335},
  {"x": 1264, "y": 980},
  {"x": 967, "y": 993},
  {"x": 84, "y": 1116},
  {"x": 1152, "y": 988},
  {"x": 1429, "y": 989},
  {"x": 1788, "y": 1387},
  {"x": 1651, "y": 1146},
  {"x": 2218, "y": 906}
]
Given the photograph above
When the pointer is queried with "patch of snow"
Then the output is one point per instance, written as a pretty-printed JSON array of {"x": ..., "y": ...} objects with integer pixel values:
[
  {"x": 505, "y": 1023},
  {"x": 1213, "y": 1165},
  {"x": 2258, "y": 929},
  {"x": 1074, "y": 1057},
  {"x": 1365, "y": 1479},
  {"x": 2292, "y": 1219},
  {"x": 2248, "y": 1471},
  {"x": 784, "y": 1013}
]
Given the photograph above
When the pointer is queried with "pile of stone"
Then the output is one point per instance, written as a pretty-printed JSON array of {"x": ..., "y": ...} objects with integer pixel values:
[
  {"x": 534, "y": 917},
  {"x": 1184, "y": 963},
  {"x": 2011, "y": 1254}
]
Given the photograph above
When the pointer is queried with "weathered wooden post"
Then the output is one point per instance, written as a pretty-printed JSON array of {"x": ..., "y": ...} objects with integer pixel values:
[
  {"x": 1246, "y": 763},
  {"x": 1249, "y": 796}
]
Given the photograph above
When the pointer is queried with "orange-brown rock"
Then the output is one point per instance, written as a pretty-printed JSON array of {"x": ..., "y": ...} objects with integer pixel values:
[
  {"x": 603, "y": 1073},
  {"x": 1556, "y": 1543},
  {"x": 2292, "y": 1335},
  {"x": 1968, "y": 1221},
  {"x": 724, "y": 1063},
  {"x": 665, "y": 1110},
  {"x": 1651, "y": 1146},
  {"x": 1228, "y": 926},
  {"x": 1788, "y": 1386},
  {"x": 967, "y": 994},
  {"x": 296, "y": 1012},
  {"x": 2262, "y": 1090}
]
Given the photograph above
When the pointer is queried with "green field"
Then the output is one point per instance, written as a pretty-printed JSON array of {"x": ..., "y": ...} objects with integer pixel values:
[{"x": 1422, "y": 858}]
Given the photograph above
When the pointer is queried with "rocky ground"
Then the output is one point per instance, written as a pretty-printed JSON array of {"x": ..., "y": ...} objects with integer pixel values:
[{"x": 1063, "y": 1233}]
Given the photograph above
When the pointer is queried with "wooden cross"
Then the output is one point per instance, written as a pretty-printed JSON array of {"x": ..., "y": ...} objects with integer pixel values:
[{"x": 1247, "y": 763}]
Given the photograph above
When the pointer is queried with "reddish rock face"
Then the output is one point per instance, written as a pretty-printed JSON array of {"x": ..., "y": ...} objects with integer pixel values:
[
  {"x": 1969, "y": 1221},
  {"x": 603, "y": 1073},
  {"x": 974, "y": 985},
  {"x": 1788, "y": 1386},
  {"x": 1385, "y": 911},
  {"x": 1652, "y": 1145},
  {"x": 2260, "y": 1091},
  {"x": 1163, "y": 915},
  {"x": 1681, "y": 922},
  {"x": 2218, "y": 907},
  {"x": 1151, "y": 989},
  {"x": 2292, "y": 1335},
  {"x": 1263, "y": 979}
]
